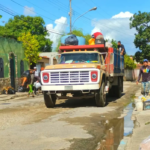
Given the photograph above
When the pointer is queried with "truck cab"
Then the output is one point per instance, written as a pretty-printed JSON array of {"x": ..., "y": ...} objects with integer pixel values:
[{"x": 83, "y": 71}]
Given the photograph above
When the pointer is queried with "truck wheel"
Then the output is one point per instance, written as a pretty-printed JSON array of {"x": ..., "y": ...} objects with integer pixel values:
[
  {"x": 118, "y": 88},
  {"x": 100, "y": 96},
  {"x": 50, "y": 100},
  {"x": 115, "y": 91},
  {"x": 111, "y": 91}
]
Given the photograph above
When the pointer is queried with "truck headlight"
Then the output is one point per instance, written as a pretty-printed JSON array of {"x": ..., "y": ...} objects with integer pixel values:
[
  {"x": 45, "y": 77},
  {"x": 94, "y": 76}
]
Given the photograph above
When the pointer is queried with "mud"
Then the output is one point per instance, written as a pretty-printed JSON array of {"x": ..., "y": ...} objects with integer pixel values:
[{"x": 71, "y": 125}]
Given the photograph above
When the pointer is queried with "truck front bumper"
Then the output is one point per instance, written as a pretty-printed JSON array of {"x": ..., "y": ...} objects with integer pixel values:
[{"x": 70, "y": 87}]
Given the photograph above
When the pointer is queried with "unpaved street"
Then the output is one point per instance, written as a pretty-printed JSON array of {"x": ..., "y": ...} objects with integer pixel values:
[{"x": 26, "y": 124}]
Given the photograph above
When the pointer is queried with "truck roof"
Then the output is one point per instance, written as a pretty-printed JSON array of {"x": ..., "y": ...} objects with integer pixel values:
[
  {"x": 75, "y": 47},
  {"x": 81, "y": 52},
  {"x": 85, "y": 48}
]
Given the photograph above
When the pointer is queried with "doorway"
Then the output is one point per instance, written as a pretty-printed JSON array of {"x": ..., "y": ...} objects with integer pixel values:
[
  {"x": 12, "y": 70},
  {"x": 1, "y": 68},
  {"x": 21, "y": 67}
]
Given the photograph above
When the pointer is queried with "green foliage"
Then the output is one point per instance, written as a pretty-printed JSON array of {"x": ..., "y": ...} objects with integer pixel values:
[
  {"x": 58, "y": 45},
  {"x": 129, "y": 63},
  {"x": 0, "y": 16},
  {"x": 80, "y": 33},
  {"x": 24, "y": 24},
  {"x": 140, "y": 21},
  {"x": 31, "y": 46},
  {"x": 114, "y": 44}
]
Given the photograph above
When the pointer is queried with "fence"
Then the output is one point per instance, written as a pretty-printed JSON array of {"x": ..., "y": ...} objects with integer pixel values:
[{"x": 131, "y": 75}]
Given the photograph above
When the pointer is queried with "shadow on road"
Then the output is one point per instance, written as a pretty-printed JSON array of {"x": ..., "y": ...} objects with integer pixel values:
[{"x": 73, "y": 103}]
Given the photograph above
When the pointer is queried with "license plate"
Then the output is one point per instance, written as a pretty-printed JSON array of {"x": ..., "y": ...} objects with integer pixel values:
[{"x": 68, "y": 88}]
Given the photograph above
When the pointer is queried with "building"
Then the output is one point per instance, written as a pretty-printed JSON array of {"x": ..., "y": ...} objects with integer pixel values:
[
  {"x": 46, "y": 58},
  {"x": 12, "y": 63}
]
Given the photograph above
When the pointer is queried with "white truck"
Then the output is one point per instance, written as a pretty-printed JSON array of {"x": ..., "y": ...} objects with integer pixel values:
[{"x": 85, "y": 71}]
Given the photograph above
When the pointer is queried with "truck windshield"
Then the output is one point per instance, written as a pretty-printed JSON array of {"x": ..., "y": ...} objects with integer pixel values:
[{"x": 79, "y": 58}]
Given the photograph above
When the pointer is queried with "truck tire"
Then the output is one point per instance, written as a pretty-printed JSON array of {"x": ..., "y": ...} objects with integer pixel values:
[
  {"x": 118, "y": 88},
  {"x": 116, "y": 91},
  {"x": 111, "y": 91},
  {"x": 50, "y": 100},
  {"x": 100, "y": 96}
]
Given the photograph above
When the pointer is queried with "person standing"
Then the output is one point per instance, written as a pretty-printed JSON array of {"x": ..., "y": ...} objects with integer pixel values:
[
  {"x": 36, "y": 74},
  {"x": 145, "y": 73},
  {"x": 121, "y": 48},
  {"x": 122, "y": 52}
]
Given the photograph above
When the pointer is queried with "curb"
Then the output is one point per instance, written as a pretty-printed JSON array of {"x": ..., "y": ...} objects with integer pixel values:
[{"x": 5, "y": 97}]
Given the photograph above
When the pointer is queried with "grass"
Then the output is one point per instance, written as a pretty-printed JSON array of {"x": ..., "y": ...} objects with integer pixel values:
[{"x": 147, "y": 123}]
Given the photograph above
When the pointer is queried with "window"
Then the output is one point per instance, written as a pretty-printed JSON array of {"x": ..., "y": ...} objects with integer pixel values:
[
  {"x": 1, "y": 68},
  {"x": 79, "y": 58}
]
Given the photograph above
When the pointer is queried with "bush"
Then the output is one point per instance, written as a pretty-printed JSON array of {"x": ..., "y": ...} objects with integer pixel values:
[{"x": 129, "y": 63}]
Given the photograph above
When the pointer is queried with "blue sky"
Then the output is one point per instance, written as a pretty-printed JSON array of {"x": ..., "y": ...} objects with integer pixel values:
[{"x": 99, "y": 20}]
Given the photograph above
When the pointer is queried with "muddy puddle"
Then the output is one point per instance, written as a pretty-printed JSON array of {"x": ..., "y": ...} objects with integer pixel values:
[
  {"x": 107, "y": 133},
  {"x": 116, "y": 129}
]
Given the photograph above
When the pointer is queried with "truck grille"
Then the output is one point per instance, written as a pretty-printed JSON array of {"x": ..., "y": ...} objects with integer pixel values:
[{"x": 69, "y": 77}]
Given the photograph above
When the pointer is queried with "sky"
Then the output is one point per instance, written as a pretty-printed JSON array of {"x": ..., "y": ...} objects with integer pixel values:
[{"x": 111, "y": 17}]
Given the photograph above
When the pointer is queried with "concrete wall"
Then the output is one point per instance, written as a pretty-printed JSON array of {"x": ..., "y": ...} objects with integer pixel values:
[
  {"x": 5, "y": 82},
  {"x": 131, "y": 75},
  {"x": 9, "y": 47}
]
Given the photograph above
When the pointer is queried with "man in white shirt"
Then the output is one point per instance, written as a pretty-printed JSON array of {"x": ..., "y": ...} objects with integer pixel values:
[{"x": 36, "y": 74}]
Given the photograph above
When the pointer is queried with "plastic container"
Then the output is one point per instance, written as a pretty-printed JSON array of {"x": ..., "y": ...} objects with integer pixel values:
[
  {"x": 146, "y": 105},
  {"x": 143, "y": 99},
  {"x": 81, "y": 40},
  {"x": 138, "y": 104}
]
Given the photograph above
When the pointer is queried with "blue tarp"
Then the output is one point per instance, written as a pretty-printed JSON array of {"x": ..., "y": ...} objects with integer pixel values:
[{"x": 118, "y": 62}]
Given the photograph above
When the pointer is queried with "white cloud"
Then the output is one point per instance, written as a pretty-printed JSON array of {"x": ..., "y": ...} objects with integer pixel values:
[
  {"x": 96, "y": 29},
  {"x": 60, "y": 28},
  {"x": 29, "y": 11},
  {"x": 118, "y": 29},
  {"x": 126, "y": 14}
]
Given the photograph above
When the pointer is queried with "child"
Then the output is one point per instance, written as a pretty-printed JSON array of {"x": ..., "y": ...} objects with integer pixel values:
[
  {"x": 37, "y": 86},
  {"x": 30, "y": 86}
]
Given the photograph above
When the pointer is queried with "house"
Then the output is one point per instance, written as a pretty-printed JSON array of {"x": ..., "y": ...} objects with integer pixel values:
[
  {"x": 12, "y": 63},
  {"x": 46, "y": 59}
]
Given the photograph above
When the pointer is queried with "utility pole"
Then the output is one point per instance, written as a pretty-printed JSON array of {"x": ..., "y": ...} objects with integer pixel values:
[{"x": 70, "y": 13}]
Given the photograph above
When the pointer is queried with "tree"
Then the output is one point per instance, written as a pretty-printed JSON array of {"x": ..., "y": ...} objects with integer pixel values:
[
  {"x": 140, "y": 21},
  {"x": 24, "y": 24},
  {"x": 114, "y": 44},
  {"x": 31, "y": 46},
  {"x": 80, "y": 33},
  {"x": 129, "y": 63}
]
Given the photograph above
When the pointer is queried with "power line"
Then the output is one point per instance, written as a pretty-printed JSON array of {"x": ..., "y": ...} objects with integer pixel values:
[
  {"x": 8, "y": 11},
  {"x": 11, "y": 12},
  {"x": 61, "y": 7},
  {"x": 104, "y": 11},
  {"x": 38, "y": 13},
  {"x": 39, "y": 7}
]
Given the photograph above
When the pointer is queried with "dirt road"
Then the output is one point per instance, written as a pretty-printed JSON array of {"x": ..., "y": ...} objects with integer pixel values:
[{"x": 26, "y": 124}]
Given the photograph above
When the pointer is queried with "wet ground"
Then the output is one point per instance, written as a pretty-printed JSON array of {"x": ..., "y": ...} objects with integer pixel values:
[{"x": 26, "y": 124}]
